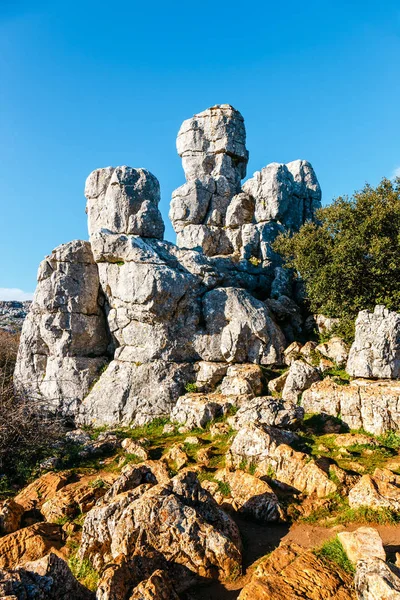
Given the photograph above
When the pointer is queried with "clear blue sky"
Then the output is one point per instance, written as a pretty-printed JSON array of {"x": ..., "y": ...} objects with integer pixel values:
[{"x": 91, "y": 83}]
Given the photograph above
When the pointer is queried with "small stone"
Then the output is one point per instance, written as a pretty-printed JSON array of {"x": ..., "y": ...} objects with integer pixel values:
[
  {"x": 192, "y": 439},
  {"x": 132, "y": 447}
]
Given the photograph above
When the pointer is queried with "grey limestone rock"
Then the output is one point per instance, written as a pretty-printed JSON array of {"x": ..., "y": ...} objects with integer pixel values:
[
  {"x": 300, "y": 377},
  {"x": 375, "y": 352},
  {"x": 124, "y": 200},
  {"x": 121, "y": 324},
  {"x": 64, "y": 341}
]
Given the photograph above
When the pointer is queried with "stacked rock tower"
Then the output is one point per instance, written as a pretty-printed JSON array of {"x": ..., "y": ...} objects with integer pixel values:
[{"x": 121, "y": 324}]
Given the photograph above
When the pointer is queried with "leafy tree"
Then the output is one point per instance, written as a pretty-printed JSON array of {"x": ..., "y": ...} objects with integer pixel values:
[{"x": 350, "y": 259}]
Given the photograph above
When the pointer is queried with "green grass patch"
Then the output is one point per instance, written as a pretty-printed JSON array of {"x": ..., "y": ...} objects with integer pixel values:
[
  {"x": 83, "y": 571},
  {"x": 333, "y": 551}
]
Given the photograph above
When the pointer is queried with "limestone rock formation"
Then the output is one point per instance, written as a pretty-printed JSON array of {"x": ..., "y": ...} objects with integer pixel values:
[
  {"x": 379, "y": 490},
  {"x": 364, "y": 542},
  {"x": 375, "y": 352},
  {"x": 64, "y": 337},
  {"x": 376, "y": 580},
  {"x": 213, "y": 213},
  {"x": 122, "y": 324},
  {"x": 370, "y": 405},
  {"x": 179, "y": 520}
]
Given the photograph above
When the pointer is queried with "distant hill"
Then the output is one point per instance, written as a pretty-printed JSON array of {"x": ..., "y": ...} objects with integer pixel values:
[{"x": 12, "y": 314}]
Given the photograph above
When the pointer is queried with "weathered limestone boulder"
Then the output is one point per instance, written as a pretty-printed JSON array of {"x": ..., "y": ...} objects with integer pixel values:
[
  {"x": 266, "y": 410},
  {"x": 28, "y": 544},
  {"x": 248, "y": 495},
  {"x": 10, "y": 516},
  {"x": 132, "y": 447},
  {"x": 209, "y": 375},
  {"x": 157, "y": 587},
  {"x": 275, "y": 386},
  {"x": 48, "y": 578},
  {"x": 238, "y": 329},
  {"x": 133, "y": 475},
  {"x": 375, "y": 352},
  {"x": 291, "y": 572},
  {"x": 292, "y": 353},
  {"x": 380, "y": 490},
  {"x": 242, "y": 379},
  {"x": 370, "y": 405},
  {"x": 335, "y": 349},
  {"x": 124, "y": 200},
  {"x": 179, "y": 520},
  {"x": 267, "y": 450},
  {"x": 64, "y": 338},
  {"x": 176, "y": 457},
  {"x": 300, "y": 377},
  {"x": 376, "y": 580},
  {"x": 364, "y": 542},
  {"x": 34, "y": 495},
  {"x": 74, "y": 499},
  {"x": 196, "y": 410}
]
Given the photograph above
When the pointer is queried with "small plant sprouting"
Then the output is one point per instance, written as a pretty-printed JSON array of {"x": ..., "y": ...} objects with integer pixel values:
[
  {"x": 191, "y": 388},
  {"x": 254, "y": 261}
]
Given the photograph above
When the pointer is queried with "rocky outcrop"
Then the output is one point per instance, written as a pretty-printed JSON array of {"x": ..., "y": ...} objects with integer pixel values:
[
  {"x": 132, "y": 318},
  {"x": 213, "y": 213},
  {"x": 29, "y": 544},
  {"x": 64, "y": 338},
  {"x": 291, "y": 572},
  {"x": 380, "y": 490},
  {"x": 178, "y": 520},
  {"x": 375, "y": 352},
  {"x": 48, "y": 578},
  {"x": 370, "y": 405},
  {"x": 266, "y": 449}
]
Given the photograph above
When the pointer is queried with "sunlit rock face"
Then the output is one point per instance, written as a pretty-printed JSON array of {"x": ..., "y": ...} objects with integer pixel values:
[
  {"x": 213, "y": 212},
  {"x": 122, "y": 323}
]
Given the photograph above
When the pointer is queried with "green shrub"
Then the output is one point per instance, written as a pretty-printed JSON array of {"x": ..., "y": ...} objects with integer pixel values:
[
  {"x": 191, "y": 388},
  {"x": 350, "y": 259}
]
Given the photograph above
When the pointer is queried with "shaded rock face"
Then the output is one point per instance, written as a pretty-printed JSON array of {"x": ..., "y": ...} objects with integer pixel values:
[
  {"x": 212, "y": 212},
  {"x": 375, "y": 352},
  {"x": 48, "y": 578},
  {"x": 120, "y": 325}
]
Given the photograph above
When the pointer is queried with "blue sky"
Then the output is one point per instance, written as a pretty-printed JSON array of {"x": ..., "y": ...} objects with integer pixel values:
[{"x": 91, "y": 83}]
